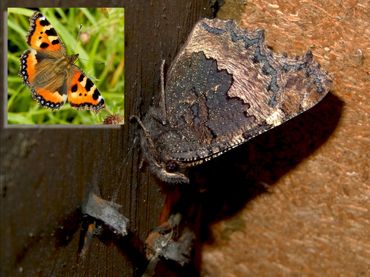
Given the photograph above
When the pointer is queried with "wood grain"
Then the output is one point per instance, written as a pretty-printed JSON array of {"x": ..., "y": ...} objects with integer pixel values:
[
  {"x": 46, "y": 172},
  {"x": 304, "y": 207}
]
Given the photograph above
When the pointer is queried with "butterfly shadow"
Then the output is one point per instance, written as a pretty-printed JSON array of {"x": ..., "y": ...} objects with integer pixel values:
[
  {"x": 223, "y": 186},
  {"x": 229, "y": 182}
]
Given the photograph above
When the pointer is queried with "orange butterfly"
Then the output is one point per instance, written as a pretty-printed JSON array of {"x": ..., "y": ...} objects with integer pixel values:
[{"x": 51, "y": 74}]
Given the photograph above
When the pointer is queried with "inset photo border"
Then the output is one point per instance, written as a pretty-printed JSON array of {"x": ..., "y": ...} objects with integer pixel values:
[{"x": 48, "y": 83}]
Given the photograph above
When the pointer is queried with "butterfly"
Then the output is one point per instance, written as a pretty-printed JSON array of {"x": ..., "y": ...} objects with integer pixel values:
[
  {"x": 51, "y": 74},
  {"x": 224, "y": 87}
]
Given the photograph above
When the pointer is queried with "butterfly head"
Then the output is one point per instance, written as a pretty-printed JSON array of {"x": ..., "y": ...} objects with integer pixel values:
[
  {"x": 153, "y": 142},
  {"x": 165, "y": 168},
  {"x": 73, "y": 58}
]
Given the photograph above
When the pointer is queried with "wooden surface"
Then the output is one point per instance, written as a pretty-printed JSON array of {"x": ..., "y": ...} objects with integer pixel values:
[
  {"x": 46, "y": 172},
  {"x": 294, "y": 201},
  {"x": 303, "y": 210}
]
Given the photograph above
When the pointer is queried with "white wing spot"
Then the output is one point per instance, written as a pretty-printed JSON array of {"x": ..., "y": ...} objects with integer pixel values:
[{"x": 276, "y": 118}]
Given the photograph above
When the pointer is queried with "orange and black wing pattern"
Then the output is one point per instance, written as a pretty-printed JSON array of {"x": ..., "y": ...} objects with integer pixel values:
[
  {"x": 82, "y": 92},
  {"x": 51, "y": 74}
]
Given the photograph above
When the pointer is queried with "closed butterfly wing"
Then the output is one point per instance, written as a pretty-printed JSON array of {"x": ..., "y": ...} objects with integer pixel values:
[{"x": 225, "y": 87}]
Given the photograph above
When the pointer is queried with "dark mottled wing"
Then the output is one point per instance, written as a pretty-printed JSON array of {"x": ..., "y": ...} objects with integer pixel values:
[
  {"x": 201, "y": 115},
  {"x": 226, "y": 87}
]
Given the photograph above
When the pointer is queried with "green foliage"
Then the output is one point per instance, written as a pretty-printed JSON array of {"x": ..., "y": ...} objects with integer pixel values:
[{"x": 100, "y": 46}]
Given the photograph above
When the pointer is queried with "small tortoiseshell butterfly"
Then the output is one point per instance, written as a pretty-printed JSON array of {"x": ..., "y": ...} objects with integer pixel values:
[
  {"x": 51, "y": 74},
  {"x": 223, "y": 88}
]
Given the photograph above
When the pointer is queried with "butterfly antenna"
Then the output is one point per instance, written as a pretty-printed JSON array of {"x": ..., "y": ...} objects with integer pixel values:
[
  {"x": 77, "y": 38},
  {"x": 79, "y": 32}
]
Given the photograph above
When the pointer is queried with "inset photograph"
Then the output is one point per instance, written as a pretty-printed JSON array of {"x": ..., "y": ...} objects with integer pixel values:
[{"x": 65, "y": 66}]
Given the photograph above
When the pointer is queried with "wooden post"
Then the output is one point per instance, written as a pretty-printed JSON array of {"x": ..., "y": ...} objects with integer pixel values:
[{"x": 46, "y": 172}]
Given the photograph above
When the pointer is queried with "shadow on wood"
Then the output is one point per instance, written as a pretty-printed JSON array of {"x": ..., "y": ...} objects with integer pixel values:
[{"x": 239, "y": 176}]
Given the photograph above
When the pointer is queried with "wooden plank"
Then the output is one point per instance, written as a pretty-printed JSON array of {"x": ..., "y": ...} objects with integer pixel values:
[{"x": 46, "y": 172}]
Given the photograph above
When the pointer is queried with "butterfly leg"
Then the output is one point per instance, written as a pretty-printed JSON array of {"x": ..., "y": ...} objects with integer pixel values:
[
  {"x": 145, "y": 130},
  {"x": 162, "y": 101},
  {"x": 147, "y": 137}
]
